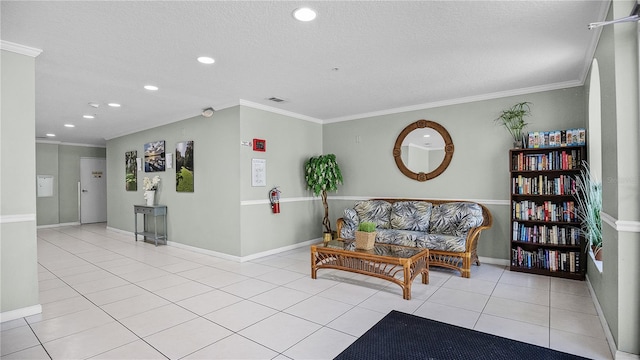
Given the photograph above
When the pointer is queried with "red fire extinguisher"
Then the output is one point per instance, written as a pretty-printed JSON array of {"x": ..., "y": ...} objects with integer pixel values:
[{"x": 274, "y": 198}]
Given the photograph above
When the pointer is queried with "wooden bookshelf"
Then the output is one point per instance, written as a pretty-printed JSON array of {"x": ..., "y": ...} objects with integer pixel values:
[{"x": 545, "y": 232}]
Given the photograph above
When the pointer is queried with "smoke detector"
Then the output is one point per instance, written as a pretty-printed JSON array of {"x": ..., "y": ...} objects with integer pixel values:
[{"x": 208, "y": 112}]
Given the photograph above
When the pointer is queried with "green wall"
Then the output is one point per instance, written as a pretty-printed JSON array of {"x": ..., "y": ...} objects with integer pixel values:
[
  {"x": 47, "y": 164},
  {"x": 226, "y": 214},
  {"x": 208, "y": 218},
  {"x": 479, "y": 168},
  {"x": 18, "y": 254},
  {"x": 63, "y": 162},
  {"x": 290, "y": 142},
  {"x": 616, "y": 287}
]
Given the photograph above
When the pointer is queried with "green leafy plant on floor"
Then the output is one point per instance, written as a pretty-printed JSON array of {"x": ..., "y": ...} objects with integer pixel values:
[
  {"x": 322, "y": 174},
  {"x": 513, "y": 119},
  {"x": 589, "y": 199}
]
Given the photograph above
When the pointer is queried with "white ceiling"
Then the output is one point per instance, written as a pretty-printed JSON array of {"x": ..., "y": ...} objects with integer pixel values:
[{"x": 390, "y": 56}]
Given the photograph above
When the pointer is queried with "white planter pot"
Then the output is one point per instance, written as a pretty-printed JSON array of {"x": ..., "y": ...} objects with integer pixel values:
[{"x": 150, "y": 196}]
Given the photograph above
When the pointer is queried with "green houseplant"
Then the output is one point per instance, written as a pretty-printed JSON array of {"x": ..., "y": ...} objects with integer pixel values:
[
  {"x": 513, "y": 120},
  {"x": 366, "y": 235},
  {"x": 589, "y": 199},
  {"x": 322, "y": 174}
]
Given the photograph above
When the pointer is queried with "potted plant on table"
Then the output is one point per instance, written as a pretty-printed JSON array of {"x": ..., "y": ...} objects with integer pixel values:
[
  {"x": 322, "y": 174},
  {"x": 513, "y": 120},
  {"x": 589, "y": 199},
  {"x": 366, "y": 235}
]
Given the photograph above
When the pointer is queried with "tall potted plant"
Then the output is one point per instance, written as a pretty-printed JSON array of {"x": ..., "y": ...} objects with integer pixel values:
[
  {"x": 589, "y": 199},
  {"x": 513, "y": 120},
  {"x": 322, "y": 174}
]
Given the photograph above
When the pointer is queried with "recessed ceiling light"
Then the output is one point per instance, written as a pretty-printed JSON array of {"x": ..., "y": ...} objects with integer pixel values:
[
  {"x": 69, "y": 125},
  {"x": 94, "y": 104},
  {"x": 151, "y": 87},
  {"x": 114, "y": 104},
  {"x": 304, "y": 14},
  {"x": 51, "y": 135},
  {"x": 88, "y": 116},
  {"x": 206, "y": 60}
]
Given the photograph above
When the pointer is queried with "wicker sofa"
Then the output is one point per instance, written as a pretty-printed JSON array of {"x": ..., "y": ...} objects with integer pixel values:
[{"x": 449, "y": 229}]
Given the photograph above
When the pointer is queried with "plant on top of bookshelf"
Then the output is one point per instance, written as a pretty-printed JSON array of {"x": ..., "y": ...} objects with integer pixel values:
[
  {"x": 513, "y": 120},
  {"x": 589, "y": 198}
]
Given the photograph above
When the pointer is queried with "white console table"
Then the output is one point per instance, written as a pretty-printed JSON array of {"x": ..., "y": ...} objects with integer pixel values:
[{"x": 155, "y": 211}]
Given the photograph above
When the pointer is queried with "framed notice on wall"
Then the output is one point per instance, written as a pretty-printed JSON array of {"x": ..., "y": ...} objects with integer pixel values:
[{"x": 258, "y": 172}]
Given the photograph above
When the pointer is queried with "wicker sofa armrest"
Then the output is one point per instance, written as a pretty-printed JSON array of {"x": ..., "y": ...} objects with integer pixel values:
[
  {"x": 339, "y": 224},
  {"x": 473, "y": 234}
]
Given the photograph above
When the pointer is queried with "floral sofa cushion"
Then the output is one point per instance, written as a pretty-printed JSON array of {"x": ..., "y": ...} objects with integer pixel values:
[
  {"x": 442, "y": 242},
  {"x": 398, "y": 237},
  {"x": 455, "y": 218},
  {"x": 350, "y": 224},
  {"x": 411, "y": 215},
  {"x": 376, "y": 211}
]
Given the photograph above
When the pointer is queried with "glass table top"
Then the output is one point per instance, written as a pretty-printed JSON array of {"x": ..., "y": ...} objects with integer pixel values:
[{"x": 378, "y": 249}]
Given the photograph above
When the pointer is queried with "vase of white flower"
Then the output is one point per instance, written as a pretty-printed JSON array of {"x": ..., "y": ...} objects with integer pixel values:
[
  {"x": 150, "y": 186},
  {"x": 150, "y": 196}
]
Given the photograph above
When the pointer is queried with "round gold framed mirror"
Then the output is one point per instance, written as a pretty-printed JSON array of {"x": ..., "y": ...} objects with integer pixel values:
[{"x": 423, "y": 150}]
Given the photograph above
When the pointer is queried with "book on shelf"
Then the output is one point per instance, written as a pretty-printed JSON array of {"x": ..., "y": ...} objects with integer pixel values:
[
  {"x": 529, "y": 210},
  {"x": 556, "y": 138},
  {"x": 546, "y": 259},
  {"x": 543, "y": 185},
  {"x": 546, "y": 234},
  {"x": 553, "y": 160}
]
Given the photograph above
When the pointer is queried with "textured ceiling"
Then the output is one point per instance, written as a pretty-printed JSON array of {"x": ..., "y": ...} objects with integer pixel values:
[{"x": 389, "y": 55}]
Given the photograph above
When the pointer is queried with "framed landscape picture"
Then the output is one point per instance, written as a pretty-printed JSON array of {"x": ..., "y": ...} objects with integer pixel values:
[
  {"x": 130, "y": 170},
  {"x": 154, "y": 159},
  {"x": 184, "y": 166}
]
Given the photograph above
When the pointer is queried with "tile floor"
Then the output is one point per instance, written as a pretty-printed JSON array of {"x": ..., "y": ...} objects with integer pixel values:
[{"x": 105, "y": 296}]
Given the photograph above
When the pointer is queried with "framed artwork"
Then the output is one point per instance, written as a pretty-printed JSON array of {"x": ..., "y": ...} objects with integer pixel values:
[
  {"x": 184, "y": 166},
  {"x": 130, "y": 170},
  {"x": 154, "y": 158}
]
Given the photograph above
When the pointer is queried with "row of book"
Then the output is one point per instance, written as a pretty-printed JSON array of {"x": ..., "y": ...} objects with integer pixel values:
[
  {"x": 543, "y": 234},
  {"x": 552, "y": 260},
  {"x": 564, "y": 211},
  {"x": 543, "y": 185},
  {"x": 544, "y": 139},
  {"x": 553, "y": 160}
]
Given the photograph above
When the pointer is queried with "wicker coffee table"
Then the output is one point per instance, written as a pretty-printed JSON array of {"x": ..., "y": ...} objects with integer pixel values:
[{"x": 397, "y": 264}]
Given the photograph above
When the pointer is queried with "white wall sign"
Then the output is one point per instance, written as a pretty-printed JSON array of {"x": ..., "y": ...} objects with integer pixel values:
[
  {"x": 45, "y": 185},
  {"x": 258, "y": 172}
]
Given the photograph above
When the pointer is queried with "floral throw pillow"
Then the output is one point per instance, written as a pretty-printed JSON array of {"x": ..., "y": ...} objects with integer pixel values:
[
  {"x": 376, "y": 211},
  {"x": 411, "y": 215}
]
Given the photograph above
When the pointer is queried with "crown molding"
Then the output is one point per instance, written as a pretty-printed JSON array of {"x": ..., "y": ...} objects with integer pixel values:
[
  {"x": 279, "y": 111},
  {"x": 19, "y": 49},
  {"x": 469, "y": 99},
  {"x": 53, "y": 142}
]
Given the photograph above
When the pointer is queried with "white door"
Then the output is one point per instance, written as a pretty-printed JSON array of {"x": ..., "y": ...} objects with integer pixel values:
[{"x": 93, "y": 190}]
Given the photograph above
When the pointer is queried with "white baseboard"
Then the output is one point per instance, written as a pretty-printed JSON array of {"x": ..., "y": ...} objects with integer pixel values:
[
  {"x": 20, "y": 313},
  {"x": 280, "y": 250},
  {"x": 488, "y": 260},
  {"x": 58, "y": 225},
  {"x": 227, "y": 256},
  {"x": 248, "y": 257},
  {"x": 617, "y": 354}
]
